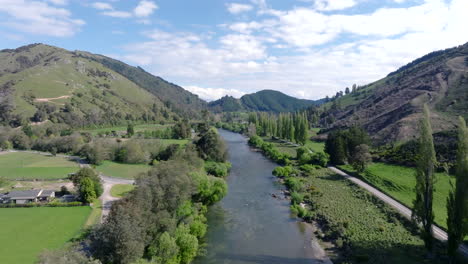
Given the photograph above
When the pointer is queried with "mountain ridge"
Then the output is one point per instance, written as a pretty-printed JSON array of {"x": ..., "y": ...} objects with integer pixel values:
[
  {"x": 390, "y": 108},
  {"x": 262, "y": 101}
]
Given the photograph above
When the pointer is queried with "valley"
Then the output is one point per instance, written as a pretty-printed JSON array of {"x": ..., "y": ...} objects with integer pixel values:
[{"x": 143, "y": 171}]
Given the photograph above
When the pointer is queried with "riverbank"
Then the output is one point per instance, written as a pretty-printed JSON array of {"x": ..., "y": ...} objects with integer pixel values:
[
  {"x": 251, "y": 226},
  {"x": 362, "y": 228}
]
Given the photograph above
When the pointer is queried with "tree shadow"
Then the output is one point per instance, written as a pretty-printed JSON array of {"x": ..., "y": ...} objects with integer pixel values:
[{"x": 267, "y": 259}]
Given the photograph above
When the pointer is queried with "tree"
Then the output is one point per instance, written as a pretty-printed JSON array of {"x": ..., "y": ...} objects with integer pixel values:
[
  {"x": 130, "y": 130},
  {"x": 88, "y": 173},
  {"x": 347, "y": 90},
  {"x": 211, "y": 147},
  {"x": 188, "y": 244},
  {"x": 181, "y": 130},
  {"x": 361, "y": 158},
  {"x": 86, "y": 190},
  {"x": 422, "y": 205},
  {"x": 335, "y": 146},
  {"x": 457, "y": 202},
  {"x": 165, "y": 250}
]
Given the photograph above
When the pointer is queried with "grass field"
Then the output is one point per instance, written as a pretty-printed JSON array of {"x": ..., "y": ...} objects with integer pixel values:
[
  {"x": 26, "y": 232},
  {"x": 137, "y": 128},
  {"x": 119, "y": 170},
  {"x": 371, "y": 229},
  {"x": 95, "y": 215},
  {"x": 120, "y": 190},
  {"x": 399, "y": 182},
  {"x": 315, "y": 146},
  {"x": 283, "y": 147},
  {"x": 29, "y": 166}
]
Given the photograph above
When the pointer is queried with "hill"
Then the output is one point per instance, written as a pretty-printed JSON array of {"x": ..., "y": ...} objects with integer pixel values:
[
  {"x": 391, "y": 108},
  {"x": 262, "y": 101},
  {"x": 40, "y": 82}
]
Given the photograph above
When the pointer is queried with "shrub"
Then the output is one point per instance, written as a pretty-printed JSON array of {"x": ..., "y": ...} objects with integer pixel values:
[
  {"x": 297, "y": 198},
  {"x": 283, "y": 171},
  {"x": 319, "y": 158},
  {"x": 217, "y": 169}
]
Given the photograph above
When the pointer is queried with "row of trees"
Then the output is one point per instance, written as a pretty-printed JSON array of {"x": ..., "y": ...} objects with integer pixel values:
[
  {"x": 457, "y": 202},
  {"x": 292, "y": 127}
]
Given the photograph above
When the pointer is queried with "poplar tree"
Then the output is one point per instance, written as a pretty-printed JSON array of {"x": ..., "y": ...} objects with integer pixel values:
[
  {"x": 422, "y": 206},
  {"x": 457, "y": 202}
]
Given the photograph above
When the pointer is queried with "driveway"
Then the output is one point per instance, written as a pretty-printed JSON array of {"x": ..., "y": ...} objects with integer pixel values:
[{"x": 106, "y": 198}]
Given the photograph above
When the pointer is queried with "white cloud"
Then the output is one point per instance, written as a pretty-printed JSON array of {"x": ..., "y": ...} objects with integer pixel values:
[
  {"x": 58, "y": 2},
  {"x": 241, "y": 60},
  {"x": 145, "y": 8},
  {"x": 142, "y": 11},
  {"x": 235, "y": 8},
  {"x": 118, "y": 14},
  {"x": 330, "y": 5},
  {"x": 102, "y": 6},
  {"x": 39, "y": 18},
  {"x": 211, "y": 94}
]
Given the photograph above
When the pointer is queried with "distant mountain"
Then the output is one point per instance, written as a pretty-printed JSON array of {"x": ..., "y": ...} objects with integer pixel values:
[
  {"x": 390, "y": 109},
  {"x": 40, "y": 82},
  {"x": 263, "y": 101}
]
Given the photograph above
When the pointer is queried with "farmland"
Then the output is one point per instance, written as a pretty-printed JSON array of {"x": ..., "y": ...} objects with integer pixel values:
[
  {"x": 399, "y": 182},
  {"x": 366, "y": 228},
  {"x": 137, "y": 128},
  {"x": 26, "y": 232},
  {"x": 30, "y": 166},
  {"x": 119, "y": 170}
]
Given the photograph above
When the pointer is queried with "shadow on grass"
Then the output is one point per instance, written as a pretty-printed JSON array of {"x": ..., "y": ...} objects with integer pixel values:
[{"x": 388, "y": 253}]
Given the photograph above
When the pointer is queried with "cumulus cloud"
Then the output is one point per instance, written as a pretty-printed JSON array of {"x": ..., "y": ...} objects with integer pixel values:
[
  {"x": 58, "y": 2},
  {"x": 235, "y": 8},
  {"x": 102, "y": 6},
  {"x": 39, "y": 18},
  {"x": 311, "y": 64},
  {"x": 145, "y": 8},
  {"x": 211, "y": 94},
  {"x": 118, "y": 14},
  {"x": 330, "y": 5}
]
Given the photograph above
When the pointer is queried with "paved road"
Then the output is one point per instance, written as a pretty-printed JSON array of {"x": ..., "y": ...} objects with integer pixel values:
[{"x": 438, "y": 232}]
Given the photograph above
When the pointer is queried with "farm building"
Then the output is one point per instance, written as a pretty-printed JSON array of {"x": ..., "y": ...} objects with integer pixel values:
[{"x": 28, "y": 196}]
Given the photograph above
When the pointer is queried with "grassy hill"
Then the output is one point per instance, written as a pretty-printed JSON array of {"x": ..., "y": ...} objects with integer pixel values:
[
  {"x": 390, "y": 109},
  {"x": 40, "y": 82},
  {"x": 174, "y": 96},
  {"x": 263, "y": 101}
]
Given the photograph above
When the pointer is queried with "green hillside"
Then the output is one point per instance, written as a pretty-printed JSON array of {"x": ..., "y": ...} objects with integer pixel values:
[
  {"x": 262, "y": 101},
  {"x": 174, "y": 96},
  {"x": 40, "y": 82}
]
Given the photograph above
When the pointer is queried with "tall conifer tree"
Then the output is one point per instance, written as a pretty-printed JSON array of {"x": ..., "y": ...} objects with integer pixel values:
[{"x": 422, "y": 206}]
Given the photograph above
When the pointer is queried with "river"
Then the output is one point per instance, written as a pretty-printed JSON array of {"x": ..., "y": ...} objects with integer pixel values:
[{"x": 249, "y": 225}]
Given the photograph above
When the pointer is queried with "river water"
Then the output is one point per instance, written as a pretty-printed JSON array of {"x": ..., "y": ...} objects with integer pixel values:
[{"x": 249, "y": 225}]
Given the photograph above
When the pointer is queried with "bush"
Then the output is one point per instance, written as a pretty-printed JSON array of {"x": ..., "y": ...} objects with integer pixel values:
[
  {"x": 297, "y": 198},
  {"x": 294, "y": 184},
  {"x": 319, "y": 158},
  {"x": 283, "y": 171},
  {"x": 217, "y": 169}
]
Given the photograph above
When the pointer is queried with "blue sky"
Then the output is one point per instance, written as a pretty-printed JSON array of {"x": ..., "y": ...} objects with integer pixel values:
[{"x": 305, "y": 48}]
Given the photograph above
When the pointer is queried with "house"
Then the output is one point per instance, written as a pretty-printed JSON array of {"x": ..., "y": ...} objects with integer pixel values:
[{"x": 29, "y": 196}]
